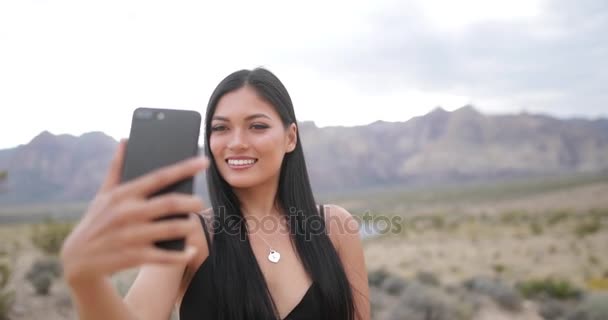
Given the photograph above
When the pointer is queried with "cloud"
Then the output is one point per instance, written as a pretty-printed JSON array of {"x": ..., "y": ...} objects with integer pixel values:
[
  {"x": 344, "y": 62},
  {"x": 553, "y": 62}
]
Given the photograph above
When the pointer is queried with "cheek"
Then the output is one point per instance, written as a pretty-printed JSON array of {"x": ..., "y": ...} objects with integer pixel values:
[
  {"x": 270, "y": 144},
  {"x": 216, "y": 146}
]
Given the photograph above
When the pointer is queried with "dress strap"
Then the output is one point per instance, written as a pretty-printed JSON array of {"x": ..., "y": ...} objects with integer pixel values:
[{"x": 322, "y": 211}]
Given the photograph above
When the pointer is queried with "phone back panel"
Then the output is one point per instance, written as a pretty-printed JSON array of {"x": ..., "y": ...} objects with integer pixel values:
[{"x": 160, "y": 137}]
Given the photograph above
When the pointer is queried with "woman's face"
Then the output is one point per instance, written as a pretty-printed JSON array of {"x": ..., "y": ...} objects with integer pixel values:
[{"x": 248, "y": 140}]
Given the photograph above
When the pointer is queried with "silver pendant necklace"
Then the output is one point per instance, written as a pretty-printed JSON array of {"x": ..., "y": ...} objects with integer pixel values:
[{"x": 274, "y": 256}]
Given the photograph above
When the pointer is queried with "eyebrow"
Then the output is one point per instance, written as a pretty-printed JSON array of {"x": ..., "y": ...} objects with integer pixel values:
[{"x": 253, "y": 116}]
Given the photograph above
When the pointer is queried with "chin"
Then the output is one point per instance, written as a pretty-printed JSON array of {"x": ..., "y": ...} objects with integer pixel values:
[{"x": 242, "y": 182}]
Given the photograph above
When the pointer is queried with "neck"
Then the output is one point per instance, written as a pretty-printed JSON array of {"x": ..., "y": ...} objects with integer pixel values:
[{"x": 259, "y": 201}]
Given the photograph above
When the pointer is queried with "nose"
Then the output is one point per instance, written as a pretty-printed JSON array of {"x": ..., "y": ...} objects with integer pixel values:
[{"x": 237, "y": 141}]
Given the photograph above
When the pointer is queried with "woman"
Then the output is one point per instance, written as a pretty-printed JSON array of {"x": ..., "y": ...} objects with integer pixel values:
[{"x": 262, "y": 251}]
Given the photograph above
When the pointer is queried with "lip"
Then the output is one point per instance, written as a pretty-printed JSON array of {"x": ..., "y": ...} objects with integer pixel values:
[
  {"x": 240, "y": 158},
  {"x": 243, "y": 167}
]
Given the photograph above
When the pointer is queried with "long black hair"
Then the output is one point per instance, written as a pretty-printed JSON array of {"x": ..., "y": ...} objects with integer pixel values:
[{"x": 238, "y": 280}]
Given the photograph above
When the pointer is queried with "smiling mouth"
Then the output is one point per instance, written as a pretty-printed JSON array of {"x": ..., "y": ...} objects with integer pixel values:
[{"x": 233, "y": 163}]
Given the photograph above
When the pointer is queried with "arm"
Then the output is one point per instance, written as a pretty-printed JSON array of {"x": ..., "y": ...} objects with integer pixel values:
[
  {"x": 155, "y": 291},
  {"x": 115, "y": 234},
  {"x": 159, "y": 288},
  {"x": 99, "y": 300},
  {"x": 151, "y": 296},
  {"x": 344, "y": 233}
]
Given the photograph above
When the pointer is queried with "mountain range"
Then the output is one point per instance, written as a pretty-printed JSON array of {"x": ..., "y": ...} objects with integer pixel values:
[{"x": 439, "y": 147}]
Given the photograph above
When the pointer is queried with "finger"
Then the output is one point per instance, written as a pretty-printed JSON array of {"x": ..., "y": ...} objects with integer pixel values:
[
  {"x": 150, "y": 232},
  {"x": 159, "y": 206},
  {"x": 163, "y": 177},
  {"x": 115, "y": 170}
]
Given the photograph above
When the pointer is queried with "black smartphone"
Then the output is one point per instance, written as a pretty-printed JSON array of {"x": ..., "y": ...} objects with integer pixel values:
[{"x": 160, "y": 137}]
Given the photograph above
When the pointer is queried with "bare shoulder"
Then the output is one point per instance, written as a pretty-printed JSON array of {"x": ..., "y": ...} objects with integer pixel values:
[{"x": 342, "y": 227}]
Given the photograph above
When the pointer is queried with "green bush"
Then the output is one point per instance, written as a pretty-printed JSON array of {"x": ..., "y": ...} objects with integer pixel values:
[
  {"x": 42, "y": 282},
  {"x": 553, "y": 288},
  {"x": 394, "y": 285},
  {"x": 376, "y": 278},
  {"x": 5, "y": 273},
  {"x": 535, "y": 228},
  {"x": 588, "y": 227},
  {"x": 428, "y": 278},
  {"x": 557, "y": 217},
  {"x": 420, "y": 302},
  {"x": 49, "y": 236},
  {"x": 499, "y": 268},
  {"x": 6, "y": 302},
  {"x": 503, "y": 294},
  {"x": 42, "y": 274},
  {"x": 593, "y": 307},
  {"x": 6, "y": 297},
  {"x": 551, "y": 309}
]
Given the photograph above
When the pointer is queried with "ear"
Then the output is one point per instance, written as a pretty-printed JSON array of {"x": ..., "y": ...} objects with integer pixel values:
[{"x": 292, "y": 138}]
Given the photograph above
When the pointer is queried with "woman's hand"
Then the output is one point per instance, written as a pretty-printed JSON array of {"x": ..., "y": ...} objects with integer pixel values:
[{"x": 117, "y": 231}]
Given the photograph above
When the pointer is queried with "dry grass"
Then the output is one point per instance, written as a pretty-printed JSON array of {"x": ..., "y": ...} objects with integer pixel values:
[{"x": 545, "y": 234}]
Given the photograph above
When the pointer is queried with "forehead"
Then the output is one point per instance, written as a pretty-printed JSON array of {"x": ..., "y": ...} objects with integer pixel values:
[{"x": 239, "y": 104}]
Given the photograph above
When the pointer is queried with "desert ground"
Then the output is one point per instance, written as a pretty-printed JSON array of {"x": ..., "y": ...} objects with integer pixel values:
[{"x": 506, "y": 251}]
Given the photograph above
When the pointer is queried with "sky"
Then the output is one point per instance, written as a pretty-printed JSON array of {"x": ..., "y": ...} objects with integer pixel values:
[{"x": 80, "y": 66}]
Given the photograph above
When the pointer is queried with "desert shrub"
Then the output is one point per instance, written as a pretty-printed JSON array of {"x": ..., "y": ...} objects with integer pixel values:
[
  {"x": 593, "y": 307},
  {"x": 377, "y": 301},
  {"x": 7, "y": 297},
  {"x": 551, "y": 288},
  {"x": 504, "y": 295},
  {"x": 42, "y": 274},
  {"x": 394, "y": 285},
  {"x": 42, "y": 282},
  {"x": 599, "y": 212},
  {"x": 376, "y": 278},
  {"x": 598, "y": 284},
  {"x": 551, "y": 309},
  {"x": 593, "y": 259},
  {"x": 499, "y": 268},
  {"x": 420, "y": 302},
  {"x": 5, "y": 273},
  {"x": 514, "y": 217},
  {"x": 535, "y": 228},
  {"x": 586, "y": 228},
  {"x": 6, "y": 302},
  {"x": 427, "y": 278},
  {"x": 438, "y": 222},
  {"x": 50, "y": 264},
  {"x": 557, "y": 217},
  {"x": 49, "y": 236}
]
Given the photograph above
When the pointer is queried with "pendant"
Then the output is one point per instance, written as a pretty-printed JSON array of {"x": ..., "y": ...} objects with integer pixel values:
[{"x": 274, "y": 256}]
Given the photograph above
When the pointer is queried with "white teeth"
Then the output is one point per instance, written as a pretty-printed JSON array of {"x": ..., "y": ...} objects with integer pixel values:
[{"x": 240, "y": 162}]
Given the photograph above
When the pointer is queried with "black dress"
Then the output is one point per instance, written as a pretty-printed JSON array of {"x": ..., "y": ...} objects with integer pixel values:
[{"x": 198, "y": 298}]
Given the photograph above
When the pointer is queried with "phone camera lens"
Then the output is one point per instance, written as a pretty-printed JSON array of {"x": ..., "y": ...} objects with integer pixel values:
[
  {"x": 160, "y": 116},
  {"x": 144, "y": 114}
]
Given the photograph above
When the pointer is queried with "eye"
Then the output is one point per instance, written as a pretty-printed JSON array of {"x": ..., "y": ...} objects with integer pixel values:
[
  {"x": 259, "y": 126},
  {"x": 218, "y": 128}
]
